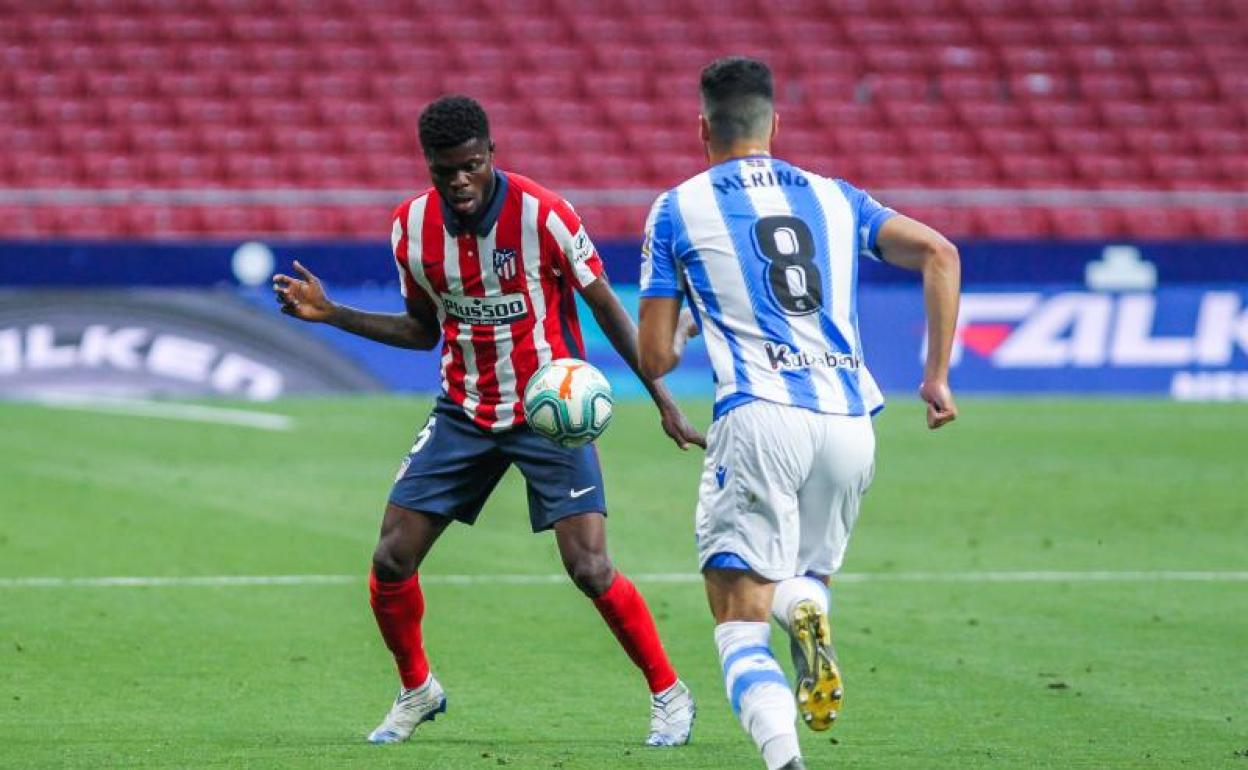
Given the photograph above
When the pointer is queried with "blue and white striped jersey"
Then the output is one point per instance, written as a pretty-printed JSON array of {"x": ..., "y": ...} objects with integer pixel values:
[{"x": 767, "y": 255}]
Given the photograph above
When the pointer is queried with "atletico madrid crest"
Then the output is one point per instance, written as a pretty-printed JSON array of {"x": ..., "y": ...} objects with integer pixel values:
[{"x": 505, "y": 263}]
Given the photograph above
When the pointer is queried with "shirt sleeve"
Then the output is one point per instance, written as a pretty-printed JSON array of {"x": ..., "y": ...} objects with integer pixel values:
[
  {"x": 399, "y": 244},
  {"x": 575, "y": 253},
  {"x": 869, "y": 214},
  {"x": 659, "y": 274}
]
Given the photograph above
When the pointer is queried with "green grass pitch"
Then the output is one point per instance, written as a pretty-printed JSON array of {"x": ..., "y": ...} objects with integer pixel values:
[{"x": 1072, "y": 673}]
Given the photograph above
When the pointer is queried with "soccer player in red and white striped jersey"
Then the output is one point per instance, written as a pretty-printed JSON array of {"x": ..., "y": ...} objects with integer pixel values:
[
  {"x": 489, "y": 262},
  {"x": 502, "y": 289}
]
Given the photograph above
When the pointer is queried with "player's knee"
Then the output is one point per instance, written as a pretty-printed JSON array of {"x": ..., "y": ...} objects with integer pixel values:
[
  {"x": 389, "y": 565},
  {"x": 591, "y": 572}
]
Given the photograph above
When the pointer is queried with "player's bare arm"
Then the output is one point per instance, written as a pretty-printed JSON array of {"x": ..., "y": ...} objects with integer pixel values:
[
  {"x": 662, "y": 334},
  {"x": 305, "y": 298},
  {"x": 915, "y": 246},
  {"x": 619, "y": 328}
]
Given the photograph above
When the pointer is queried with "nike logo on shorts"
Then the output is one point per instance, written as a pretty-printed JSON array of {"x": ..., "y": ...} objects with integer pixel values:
[
  {"x": 721, "y": 473},
  {"x": 575, "y": 493}
]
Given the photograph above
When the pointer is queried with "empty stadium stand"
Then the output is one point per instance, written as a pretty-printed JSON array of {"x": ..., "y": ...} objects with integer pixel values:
[{"x": 222, "y": 96}]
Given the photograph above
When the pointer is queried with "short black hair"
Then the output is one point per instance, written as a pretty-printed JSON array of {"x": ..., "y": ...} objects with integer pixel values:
[
  {"x": 738, "y": 97},
  {"x": 449, "y": 121}
]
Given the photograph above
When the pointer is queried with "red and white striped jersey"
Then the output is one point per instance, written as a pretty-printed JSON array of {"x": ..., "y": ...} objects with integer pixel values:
[{"x": 503, "y": 292}]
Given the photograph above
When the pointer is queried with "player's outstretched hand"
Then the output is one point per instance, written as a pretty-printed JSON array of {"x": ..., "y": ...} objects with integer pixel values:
[
  {"x": 302, "y": 297},
  {"x": 678, "y": 427},
  {"x": 940, "y": 406}
]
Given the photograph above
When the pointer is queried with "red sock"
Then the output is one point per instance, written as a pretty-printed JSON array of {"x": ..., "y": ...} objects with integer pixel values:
[
  {"x": 625, "y": 611},
  {"x": 399, "y": 608}
]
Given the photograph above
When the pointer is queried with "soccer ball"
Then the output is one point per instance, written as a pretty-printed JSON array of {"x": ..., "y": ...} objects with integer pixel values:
[{"x": 568, "y": 401}]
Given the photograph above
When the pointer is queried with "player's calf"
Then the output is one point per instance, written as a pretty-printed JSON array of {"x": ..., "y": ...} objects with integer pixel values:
[
  {"x": 591, "y": 572},
  {"x": 758, "y": 691}
]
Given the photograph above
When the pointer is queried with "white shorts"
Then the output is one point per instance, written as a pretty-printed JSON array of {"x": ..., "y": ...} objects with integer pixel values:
[{"x": 781, "y": 488}]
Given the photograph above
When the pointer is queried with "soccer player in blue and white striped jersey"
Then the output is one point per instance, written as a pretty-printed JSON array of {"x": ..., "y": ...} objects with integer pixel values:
[{"x": 766, "y": 254}]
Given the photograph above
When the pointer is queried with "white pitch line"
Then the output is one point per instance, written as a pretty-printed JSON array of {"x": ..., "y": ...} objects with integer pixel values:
[
  {"x": 169, "y": 411},
  {"x": 1163, "y": 576}
]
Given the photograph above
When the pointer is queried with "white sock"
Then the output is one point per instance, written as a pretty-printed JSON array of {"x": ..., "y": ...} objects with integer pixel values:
[
  {"x": 757, "y": 689},
  {"x": 793, "y": 590}
]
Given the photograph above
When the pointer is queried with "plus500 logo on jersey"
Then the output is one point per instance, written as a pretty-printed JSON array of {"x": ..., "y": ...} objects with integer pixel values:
[
  {"x": 1083, "y": 329},
  {"x": 490, "y": 311}
]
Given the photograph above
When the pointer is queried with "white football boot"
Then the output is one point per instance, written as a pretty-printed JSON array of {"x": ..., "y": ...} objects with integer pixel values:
[
  {"x": 671, "y": 716},
  {"x": 413, "y": 706}
]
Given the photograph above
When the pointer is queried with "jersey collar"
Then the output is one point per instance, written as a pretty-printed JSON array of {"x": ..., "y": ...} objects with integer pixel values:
[{"x": 488, "y": 219}]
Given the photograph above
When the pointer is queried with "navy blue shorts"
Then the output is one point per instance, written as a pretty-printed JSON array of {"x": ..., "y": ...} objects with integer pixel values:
[{"x": 454, "y": 466}]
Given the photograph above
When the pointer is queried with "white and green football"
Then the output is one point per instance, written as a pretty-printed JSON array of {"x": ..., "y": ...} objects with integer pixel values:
[{"x": 568, "y": 401}]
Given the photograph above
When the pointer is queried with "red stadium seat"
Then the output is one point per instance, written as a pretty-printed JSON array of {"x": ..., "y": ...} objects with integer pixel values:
[
  {"x": 1041, "y": 85},
  {"x": 962, "y": 58},
  {"x": 943, "y": 30},
  {"x": 936, "y": 141},
  {"x": 898, "y": 86},
  {"x": 179, "y": 169},
  {"x": 1013, "y": 222},
  {"x": 1188, "y": 174},
  {"x": 1135, "y": 114},
  {"x": 828, "y": 85},
  {"x": 1100, "y": 58},
  {"x": 1214, "y": 31},
  {"x": 1222, "y": 223},
  {"x": 1079, "y": 31},
  {"x": 971, "y": 86},
  {"x": 1013, "y": 31},
  {"x": 980, "y": 9},
  {"x": 952, "y": 222},
  {"x": 1048, "y": 8},
  {"x": 832, "y": 60},
  {"x": 1168, "y": 59},
  {"x": 1169, "y": 86},
  {"x": 1147, "y": 31},
  {"x": 1234, "y": 169},
  {"x": 1087, "y": 223},
  {"x": 975, "y": 114},
  {"x": 1012, "y": 141},
  {"x": 89, "y": 222},
  {"x": 890, "y": 171},
  {"x": 1073, "y": 140},
  {"x": 1109, "y": 171},
  {"x": 615, "y": 85},
  {"x": 1220, "y": 141},
  {"x": 1062, "y": 114},
  {"x": 1233, "y": 85},
  {"x": 909, "y": 114},
  {"x": 19, "y": 141},
  {"x": 22, "y": 222},
  {"x": 44, "y": 170},
  {"x": 863, "y": 141},
  {"x": 1107, "y": 86},
  {"x": 1149, "y": 141},
  {"x": 1036, "y": 170},
  {"x": 1206, "y": 115},
  {"x": 961, "y": 171},
  {"x": 895, "y": 59},
  {"x": 1158, "y": 223},
  {"x": 1031, "y": 58},
  {"x": 111, "y": 169}
]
